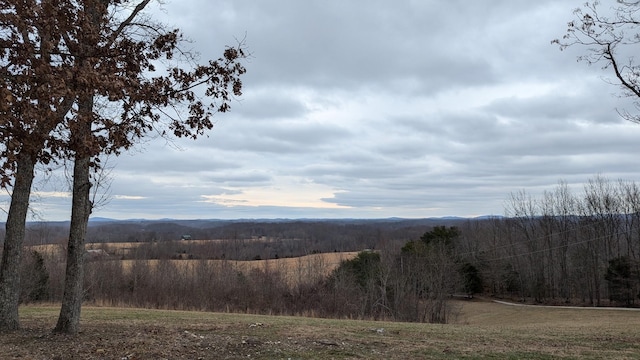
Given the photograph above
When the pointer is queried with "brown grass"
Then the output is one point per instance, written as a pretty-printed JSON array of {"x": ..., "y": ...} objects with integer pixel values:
[
  {"x": 316, "y": 265},
  {"x": 114, "y": 247},
  {"x": 482, "y": 330}
]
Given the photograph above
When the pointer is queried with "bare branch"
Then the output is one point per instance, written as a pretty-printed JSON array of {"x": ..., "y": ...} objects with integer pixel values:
[
  {"x": 607, "y": 39},
  {"x": 127, "y": 22}
]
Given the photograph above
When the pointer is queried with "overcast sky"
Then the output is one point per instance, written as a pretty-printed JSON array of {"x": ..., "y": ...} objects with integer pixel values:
[{"x": 374, "y": 109}]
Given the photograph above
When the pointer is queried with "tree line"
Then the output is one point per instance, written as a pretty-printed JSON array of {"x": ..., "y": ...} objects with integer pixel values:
[
  {"x": 578, "y": 247},
  {"x": 563, "y": 246},
  {"x": 387, "y": 283}
]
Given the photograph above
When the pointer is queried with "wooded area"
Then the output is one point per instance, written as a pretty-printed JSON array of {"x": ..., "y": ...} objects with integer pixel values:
[{"x": 561, "y": 247}]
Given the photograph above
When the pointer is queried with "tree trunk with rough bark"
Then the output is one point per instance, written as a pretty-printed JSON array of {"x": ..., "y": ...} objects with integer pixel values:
[
  {"x": 14, "y": 237},
  {"x": 69, "y": 319}
]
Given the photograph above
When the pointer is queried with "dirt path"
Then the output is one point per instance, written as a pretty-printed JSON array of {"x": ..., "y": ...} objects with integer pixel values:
[{"x": 566, "y": 307}]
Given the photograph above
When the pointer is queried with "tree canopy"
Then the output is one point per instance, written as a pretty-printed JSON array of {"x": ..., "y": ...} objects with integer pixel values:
[{"x": 84, "y": 78}]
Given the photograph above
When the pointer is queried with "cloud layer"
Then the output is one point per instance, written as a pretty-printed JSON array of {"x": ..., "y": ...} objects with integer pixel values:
[{"x": 380, "y": 109}]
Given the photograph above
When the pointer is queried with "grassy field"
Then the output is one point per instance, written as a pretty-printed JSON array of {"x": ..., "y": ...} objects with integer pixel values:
[
  {"x": 328, "y": 261},
  {"x": 482, "y": 330},
  {"x": 294, "y": 269}
]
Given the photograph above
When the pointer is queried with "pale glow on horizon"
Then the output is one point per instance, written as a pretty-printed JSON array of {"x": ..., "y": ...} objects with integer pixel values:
[{"x": 289, "y": 192}]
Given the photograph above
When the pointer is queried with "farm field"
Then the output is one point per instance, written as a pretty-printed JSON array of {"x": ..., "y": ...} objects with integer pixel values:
[
  {"x": 482, "y": 330},
  {"x": 320, "y": 264},
  {"x": 325, "y": 260},
  {"x": 115, "y": 247}
]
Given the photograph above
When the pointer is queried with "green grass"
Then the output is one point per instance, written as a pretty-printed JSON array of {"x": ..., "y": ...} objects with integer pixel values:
[{"x": 483, "y": 330}]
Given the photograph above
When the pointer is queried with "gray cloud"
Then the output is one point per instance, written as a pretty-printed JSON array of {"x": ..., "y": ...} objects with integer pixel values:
[{"x": 379, "y": 109}]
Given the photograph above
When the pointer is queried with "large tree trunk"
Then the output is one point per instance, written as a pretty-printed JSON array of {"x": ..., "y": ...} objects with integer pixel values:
[
  {"x": 69, "y": 319},
  {"x": 14, "y": 237}
]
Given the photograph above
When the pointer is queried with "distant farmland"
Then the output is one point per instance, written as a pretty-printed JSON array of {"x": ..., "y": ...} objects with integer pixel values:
[{"x": 318, "y": 265}]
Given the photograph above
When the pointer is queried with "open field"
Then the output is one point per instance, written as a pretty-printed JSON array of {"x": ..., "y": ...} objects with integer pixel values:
[
  {"x": 294, "y": 270},
  {"x": 321, "y": 264},
  {"x": 318, "y": 265},
  {"x": 482, "y": 330},
  {"x": 115, "y": 247},
  {"x": 324, "y": 260}
]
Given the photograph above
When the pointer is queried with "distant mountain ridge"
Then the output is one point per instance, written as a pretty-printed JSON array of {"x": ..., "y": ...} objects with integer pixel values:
[
  {"x": 102, "y": 229},
  {"x": 280, "y": 220}
]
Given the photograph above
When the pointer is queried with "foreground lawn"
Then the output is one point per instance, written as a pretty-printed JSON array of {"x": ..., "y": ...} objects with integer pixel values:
[{"x": 481, "y": 330}]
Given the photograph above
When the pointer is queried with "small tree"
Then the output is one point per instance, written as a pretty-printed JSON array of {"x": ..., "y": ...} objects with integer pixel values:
[
  {"x": 622, "y": 283},
  {"x": 35, "y": 278},
  {"x": 471, "y": 279}
]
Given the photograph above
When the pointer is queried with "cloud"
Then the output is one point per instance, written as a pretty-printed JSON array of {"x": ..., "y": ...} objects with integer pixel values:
[
  {"x": 128, "y": 197},
  {"x": 52, "y": 194},
  {"x": 380, "y": 109},
  {"x": 286, "y": 192}
]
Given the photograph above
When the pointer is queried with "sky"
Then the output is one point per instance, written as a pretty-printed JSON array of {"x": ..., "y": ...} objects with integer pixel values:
[{"x": 376, "y": 109}]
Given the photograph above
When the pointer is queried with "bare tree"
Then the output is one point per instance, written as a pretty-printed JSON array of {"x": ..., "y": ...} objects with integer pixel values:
[
  {"x": 564, "y": 204},
  {"x": 525, "y": 212},
  {"x": 610, "y": 35}
]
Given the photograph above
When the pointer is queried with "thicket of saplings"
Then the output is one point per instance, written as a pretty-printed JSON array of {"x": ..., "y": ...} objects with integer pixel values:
[{"x": 559, "y": 247}]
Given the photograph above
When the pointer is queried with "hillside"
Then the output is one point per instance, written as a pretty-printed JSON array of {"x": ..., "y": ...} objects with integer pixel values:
[
  {"x": 274, "y": 266},
  {"x": 482, "y": 330}
]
